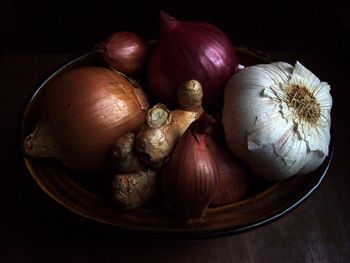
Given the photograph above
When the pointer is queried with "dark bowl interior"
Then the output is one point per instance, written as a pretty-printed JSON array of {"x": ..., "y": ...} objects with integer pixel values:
[{"x": 88, "y": 197}]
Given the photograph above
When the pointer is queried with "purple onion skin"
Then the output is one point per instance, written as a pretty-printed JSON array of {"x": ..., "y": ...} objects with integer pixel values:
[
  {"x": 190, "y": 177},
  {"x": 124, "y": 51},
  {"x": 191, "y": 50}
]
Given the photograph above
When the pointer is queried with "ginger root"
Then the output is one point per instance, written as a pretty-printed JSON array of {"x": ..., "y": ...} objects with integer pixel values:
[
  {"x": 135, "y": 184},
  {"x": 158, "y": 136},
  {"x": 131, "y": 190},
  {"x": 124, "y": 155}
]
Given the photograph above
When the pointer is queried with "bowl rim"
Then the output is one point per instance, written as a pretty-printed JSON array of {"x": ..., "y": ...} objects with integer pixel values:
[{"x": 168, "y": 235}]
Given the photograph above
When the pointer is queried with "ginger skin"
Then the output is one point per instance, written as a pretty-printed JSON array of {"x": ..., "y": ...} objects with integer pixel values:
[
  {"x": 158, "y": 136},
  {"x": 139, "y": 157},
  {"x": 124, "y": 155},
  {"x": 133, "y": 185},
  {"x": 132, "y": 190}
]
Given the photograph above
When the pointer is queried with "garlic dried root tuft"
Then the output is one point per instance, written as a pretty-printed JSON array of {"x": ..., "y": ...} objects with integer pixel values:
[{"x": 303, "y": 102}]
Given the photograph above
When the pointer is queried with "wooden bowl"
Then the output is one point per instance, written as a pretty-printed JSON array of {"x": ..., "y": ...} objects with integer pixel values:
[{"x": 266, "y": 201}]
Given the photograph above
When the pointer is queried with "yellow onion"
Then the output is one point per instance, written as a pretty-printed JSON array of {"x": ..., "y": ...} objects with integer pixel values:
[{"x": 82, "y": 113}]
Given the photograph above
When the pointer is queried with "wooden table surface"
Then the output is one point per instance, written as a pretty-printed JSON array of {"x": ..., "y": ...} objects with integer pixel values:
[{"x": 34, "y": 228}]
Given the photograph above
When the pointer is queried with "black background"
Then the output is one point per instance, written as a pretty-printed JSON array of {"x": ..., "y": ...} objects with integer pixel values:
[
  {"x": 34, "y": 228},
  {"x": 47, "y": 26}
]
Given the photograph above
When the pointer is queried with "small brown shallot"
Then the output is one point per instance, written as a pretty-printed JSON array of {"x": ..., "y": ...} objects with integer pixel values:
[
  {"x": 157, "y": 138},
  {"x": 124, "y": 51}
]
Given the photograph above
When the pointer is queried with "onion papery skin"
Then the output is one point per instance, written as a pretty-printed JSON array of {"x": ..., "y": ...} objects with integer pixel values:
[
  {"x": 233, "y": 183},
  {"x": 190, "y": 50},
  {"x": 124, "y": 51},
  {"x": 268, "y": 134},
  {"x": 190, "y": 177},
  {"x": 83, "y": 112}
]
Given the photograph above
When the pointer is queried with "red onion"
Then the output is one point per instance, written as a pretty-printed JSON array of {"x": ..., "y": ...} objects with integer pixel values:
[
  {"x": 82, "y": 114},
  {"x": 233, "y": 182},
  {"x": 124, "y": 51},
  {"x": 190, "y": 177},
  {"x": 190, "y": 50}
]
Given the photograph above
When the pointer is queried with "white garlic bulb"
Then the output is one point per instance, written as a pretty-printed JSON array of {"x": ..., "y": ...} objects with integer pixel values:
[{"x": 276, "y": 117}]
